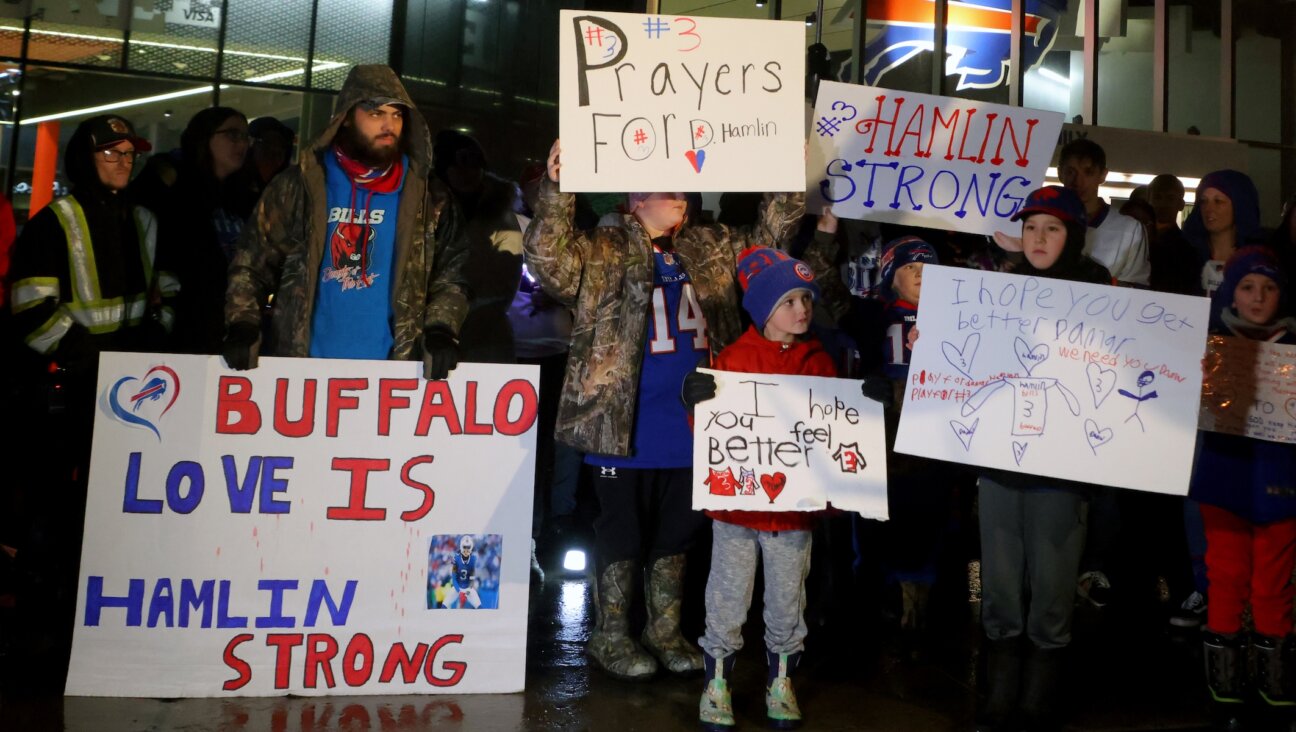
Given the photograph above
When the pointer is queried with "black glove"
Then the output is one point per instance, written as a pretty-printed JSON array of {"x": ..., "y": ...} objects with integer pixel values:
[
  {"x": 241, "y": 346},
  {"x": 440, "y": 353},
  {"x": 74, "y": 353},
  {"x": 879, "y": 389},
  {"x": 698, "y": 387}
]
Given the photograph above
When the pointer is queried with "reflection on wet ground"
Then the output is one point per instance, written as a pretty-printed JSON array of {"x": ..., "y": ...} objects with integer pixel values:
[{"x": 1127, "y": 675}]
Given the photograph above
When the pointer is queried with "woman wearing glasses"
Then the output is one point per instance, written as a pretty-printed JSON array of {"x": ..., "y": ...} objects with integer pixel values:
[{"x": 202, "y": 197}]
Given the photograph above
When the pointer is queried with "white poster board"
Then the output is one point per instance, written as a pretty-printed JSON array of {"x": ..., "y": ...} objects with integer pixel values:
[
  {"x": 924, "y": 160},
  {"x": 1084, "y": 382},
  {"x": 1249, "y": 389},
  {"x": 673, "y": 103},
  {"x": 769, "y": 442},
  {"x": 294, "y": 529}
]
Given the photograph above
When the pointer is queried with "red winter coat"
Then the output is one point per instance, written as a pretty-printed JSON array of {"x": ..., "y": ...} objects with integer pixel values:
[{"x": 753, "y": 353}]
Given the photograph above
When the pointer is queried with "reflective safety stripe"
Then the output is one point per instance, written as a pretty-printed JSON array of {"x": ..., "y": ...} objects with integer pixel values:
[
  {"x": 88, "y": 307},
  {"x": 108, "y": 315},
  {"x": 168, "y": 284},
  {"x": 166, "y": 316},
  {"x": 32, "y": 291},
  {"x": 146, "y": 229},
  {"x": 47, "y": 337}
]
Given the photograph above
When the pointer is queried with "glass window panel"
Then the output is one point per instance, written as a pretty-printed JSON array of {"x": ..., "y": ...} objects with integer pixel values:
[
  {"x": 267, "y": 42},
  {"x": 349, "y": 32},
  {"x": 80, "y": 33},
  {"x": 1125, "y": 66},
  {"x": 158, "y": 109},
  {"x": 1194, "y": 68},
  {"x": 175, "y": 36},
  {"x": 1258, "y": 81},
  {"x": 1056, "y": 83}
]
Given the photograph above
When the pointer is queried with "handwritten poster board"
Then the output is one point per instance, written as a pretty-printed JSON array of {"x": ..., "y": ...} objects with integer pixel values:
[
  {"x": 1063, "y": 379},
  {"x": 308, "y": 527},
  {"x": 671, "y": 103},
  {"x": 1249, "y": 389},
  {"x": 789, "y": 443},
  {"x": 924, "y": 160}
]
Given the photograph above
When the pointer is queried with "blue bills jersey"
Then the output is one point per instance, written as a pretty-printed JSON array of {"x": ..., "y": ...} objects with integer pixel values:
[{"x": 676, "y": 342}]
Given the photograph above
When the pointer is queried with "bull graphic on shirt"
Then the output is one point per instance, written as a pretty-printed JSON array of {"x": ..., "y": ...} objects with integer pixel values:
[{"x": 350, "y": 247}]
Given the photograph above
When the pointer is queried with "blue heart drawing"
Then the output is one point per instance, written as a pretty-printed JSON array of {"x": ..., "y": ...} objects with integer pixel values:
[
  {"x": 961, "y": 358},
  {"x": 1097, "y": 437},
  {"x": 1019, "y": 451},
  {"x": 963, "y": 432},
  {"x": 160, "y": 386},
  {"x": 1029, "y": 357}
]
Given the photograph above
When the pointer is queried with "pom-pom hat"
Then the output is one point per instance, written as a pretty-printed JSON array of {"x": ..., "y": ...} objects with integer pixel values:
[{"x": 766, "y": 275}]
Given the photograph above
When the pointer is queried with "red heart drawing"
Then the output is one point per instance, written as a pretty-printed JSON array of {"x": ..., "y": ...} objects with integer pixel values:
[{"x": 773, "y": 485}]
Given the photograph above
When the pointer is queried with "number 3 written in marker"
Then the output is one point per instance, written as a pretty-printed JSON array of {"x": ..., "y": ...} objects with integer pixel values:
[{"x": 691, "y": 32}]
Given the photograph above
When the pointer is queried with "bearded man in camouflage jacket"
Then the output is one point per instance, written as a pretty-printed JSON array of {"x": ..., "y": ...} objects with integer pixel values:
[
  {"x": 358, "y": 245},
  {"x": 653, "y": 297}
]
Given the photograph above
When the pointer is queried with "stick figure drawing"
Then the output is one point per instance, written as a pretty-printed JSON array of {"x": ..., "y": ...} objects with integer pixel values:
[{"x": 1145, "y": 379}]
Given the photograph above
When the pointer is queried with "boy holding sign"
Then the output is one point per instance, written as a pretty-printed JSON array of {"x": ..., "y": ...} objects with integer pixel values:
[
  {"x": 779, "y": 294},
  {"x": 652, "y": 298},
  {"x": 1033, "y": 527},
  {"x": 1247, "y": 488}
]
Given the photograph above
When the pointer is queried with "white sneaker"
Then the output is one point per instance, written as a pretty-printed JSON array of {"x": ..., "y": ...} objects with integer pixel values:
[
  {"x": 1094, "y": 587},
  {"x": 1192, "y": 613}
]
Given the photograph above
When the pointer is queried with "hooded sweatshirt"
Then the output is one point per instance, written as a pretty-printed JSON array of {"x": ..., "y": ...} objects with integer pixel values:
[
  {"x": 1241, "y": 191},
  {"x": 284, "y": 247}
]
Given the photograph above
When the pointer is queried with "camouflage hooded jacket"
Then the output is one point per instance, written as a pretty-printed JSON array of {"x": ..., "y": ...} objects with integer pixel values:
[
  {"x": 283, "y": 243},
  {"x": 606, "y": 276}
]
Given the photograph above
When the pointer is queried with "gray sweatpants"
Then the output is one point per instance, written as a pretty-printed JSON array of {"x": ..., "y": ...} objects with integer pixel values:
[
  {"x": 786, "y": 556},
  {"x": 1031, "y": 542}
]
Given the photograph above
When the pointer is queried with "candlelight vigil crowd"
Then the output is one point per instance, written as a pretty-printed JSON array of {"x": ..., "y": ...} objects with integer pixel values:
[{"x": 387, "y": 239}]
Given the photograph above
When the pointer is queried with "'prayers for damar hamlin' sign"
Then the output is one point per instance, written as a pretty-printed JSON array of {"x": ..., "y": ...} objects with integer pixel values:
[
  {"x": 789, "y": 443},
  {"x": 1250, "y": 389},
  {"x": 1060, "y": 379},
  {"x": 923, "y": 160},
  {"x": 670, "y": 103}
]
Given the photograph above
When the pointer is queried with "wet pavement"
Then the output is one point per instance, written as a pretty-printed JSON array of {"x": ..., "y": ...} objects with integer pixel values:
[{"x": 1126, "y": 673}]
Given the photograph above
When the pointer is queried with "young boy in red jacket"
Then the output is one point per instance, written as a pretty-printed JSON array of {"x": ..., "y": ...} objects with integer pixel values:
[{"x": 779, "y": 294}]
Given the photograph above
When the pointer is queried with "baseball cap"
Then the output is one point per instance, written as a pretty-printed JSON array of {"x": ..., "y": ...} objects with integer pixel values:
[
  {"x": 109, "y": 129},
  {"x": 1055, "y": 201}
]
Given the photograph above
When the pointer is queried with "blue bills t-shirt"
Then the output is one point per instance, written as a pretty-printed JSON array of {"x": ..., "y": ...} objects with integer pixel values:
[
  {"x": 676, "y": 342},
  {"x": 353, "y": 310}
]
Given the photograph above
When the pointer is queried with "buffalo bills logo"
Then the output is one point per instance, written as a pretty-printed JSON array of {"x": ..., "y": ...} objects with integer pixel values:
[
  {"x": 350, "y": 247},
  {"x": 142, "y": 401},
  {"x": 803, "y": 271},
  {"x": 978, "y": 42}
]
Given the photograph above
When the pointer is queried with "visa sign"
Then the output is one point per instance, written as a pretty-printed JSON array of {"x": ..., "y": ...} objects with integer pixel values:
[{"x": 979, "y": 37}]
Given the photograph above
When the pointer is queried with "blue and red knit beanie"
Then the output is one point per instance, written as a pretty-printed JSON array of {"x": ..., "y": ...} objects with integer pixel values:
[
  {"x": 1259, "y": 260},
  {"x": 766, "y": 275},
  {"x": 899, "y": 252}
]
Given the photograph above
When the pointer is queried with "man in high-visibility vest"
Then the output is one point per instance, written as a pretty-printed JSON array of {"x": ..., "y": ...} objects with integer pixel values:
[{"x": 84, "y": 281}]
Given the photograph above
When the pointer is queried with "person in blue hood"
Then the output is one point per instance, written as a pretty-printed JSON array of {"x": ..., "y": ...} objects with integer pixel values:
[
  {"x": 1247, "y": 488},
  {"x": 1225, "y": 217}
]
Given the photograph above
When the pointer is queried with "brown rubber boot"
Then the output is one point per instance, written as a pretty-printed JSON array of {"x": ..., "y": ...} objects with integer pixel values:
[
  {"x": 610, "y": 645},
  {"x": 664, "y": 583}
]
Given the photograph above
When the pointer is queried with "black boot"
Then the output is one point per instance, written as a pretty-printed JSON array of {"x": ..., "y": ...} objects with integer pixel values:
[
  {"x": 1041, "y": 679},
  {"x": 1226, "y": 671},
  {"x": 1273, "y": 677},
  {"x": 1003, "y": 682}
]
